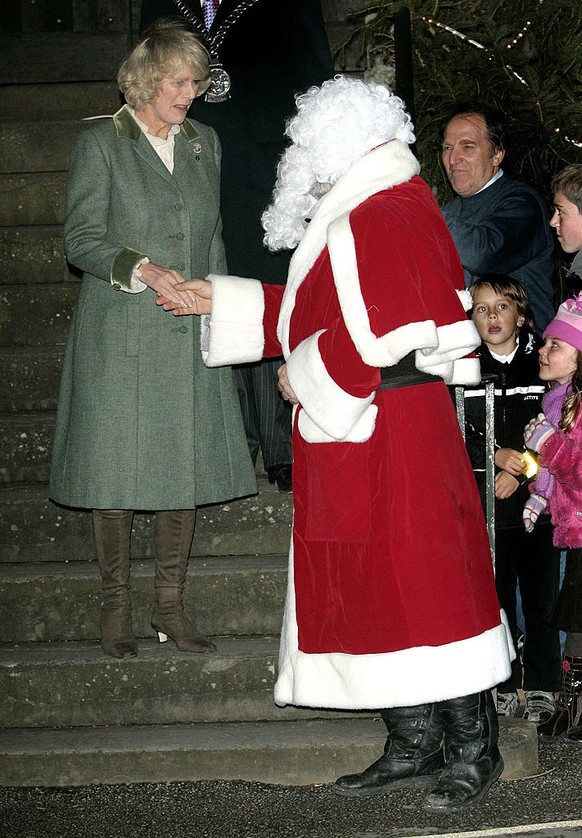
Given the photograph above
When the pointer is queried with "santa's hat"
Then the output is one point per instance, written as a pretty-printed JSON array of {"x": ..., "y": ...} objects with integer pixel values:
[{"x": 567, "y": 324}]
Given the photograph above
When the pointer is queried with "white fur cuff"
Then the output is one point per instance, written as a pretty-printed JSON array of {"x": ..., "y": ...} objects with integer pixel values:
[
  {"x": 455, "y": 340},
  {"x": 466, "y": 371},
  {"x": 233, "y": 334},
  {"x": 327, "y": 406}
]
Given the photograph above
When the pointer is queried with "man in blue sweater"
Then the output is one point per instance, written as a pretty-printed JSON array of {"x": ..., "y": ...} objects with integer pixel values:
[{"x": 499, "y": 224}]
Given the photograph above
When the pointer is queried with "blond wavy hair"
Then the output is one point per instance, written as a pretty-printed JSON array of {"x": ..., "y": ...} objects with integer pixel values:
[{"x": 167, "y": 46}]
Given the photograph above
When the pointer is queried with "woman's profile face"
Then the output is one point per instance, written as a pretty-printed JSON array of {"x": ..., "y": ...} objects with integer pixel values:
[{"x": 171, "y": 103}]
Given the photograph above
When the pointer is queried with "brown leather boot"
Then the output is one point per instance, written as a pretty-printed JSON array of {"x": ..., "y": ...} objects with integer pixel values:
[
  {"x": 173, "y": 533},
  {"x": 412, "y": 755},
  {"x": 112, "y": 531},
  {"x": 568, "y": 712}
]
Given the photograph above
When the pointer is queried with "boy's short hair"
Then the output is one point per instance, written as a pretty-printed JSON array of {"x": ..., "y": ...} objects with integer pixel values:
[
  {"x": 507, "y": 286},
  {"x": 569, "y": 183}
]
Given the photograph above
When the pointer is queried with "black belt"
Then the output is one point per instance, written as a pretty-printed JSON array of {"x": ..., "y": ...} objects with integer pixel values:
[{"x": 404, "y": 374}]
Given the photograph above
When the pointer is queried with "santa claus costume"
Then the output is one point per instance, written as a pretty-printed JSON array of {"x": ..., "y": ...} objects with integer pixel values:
[{"x": 391, "y": 600}]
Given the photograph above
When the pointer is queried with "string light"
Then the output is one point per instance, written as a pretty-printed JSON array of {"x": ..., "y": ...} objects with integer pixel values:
[
  {"x": 514, "y": 41},
  {"x": 454, "y": 32}
]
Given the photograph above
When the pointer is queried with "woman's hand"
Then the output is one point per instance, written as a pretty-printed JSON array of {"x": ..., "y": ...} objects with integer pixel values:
[
  {"x": 199, "y": 293},
  {"x": 167, "y": 283},
  {"x": 284, "y": 387}
]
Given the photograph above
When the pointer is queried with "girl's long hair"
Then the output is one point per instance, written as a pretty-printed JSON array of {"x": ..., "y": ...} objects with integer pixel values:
[{"x": 572, "y": 401}]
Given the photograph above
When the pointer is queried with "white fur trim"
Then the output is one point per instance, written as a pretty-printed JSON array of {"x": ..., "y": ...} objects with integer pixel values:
[
  {"x": 466, "y": 299},
  {"x": 234, "y": 332},
  {"x": 328, "y": 407},
  {"x": 394, "y": 679},
  {"x": 361, "y": 432},
  {"x": 439, "y": 345},
  {"x": 466, "y": 371},
  {"x": 455, "y": 340},
  {"x": 382, "y": 168}
]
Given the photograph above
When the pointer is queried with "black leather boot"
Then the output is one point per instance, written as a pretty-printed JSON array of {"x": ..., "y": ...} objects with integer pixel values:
[
  {"x": 568, "y": 712},
  {"x": 473, "y": 759},
  {"x": 412, "y": 754}
]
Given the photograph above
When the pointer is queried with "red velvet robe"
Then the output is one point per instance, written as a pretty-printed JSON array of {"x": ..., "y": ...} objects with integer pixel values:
[{"x": 391, "y": 598}]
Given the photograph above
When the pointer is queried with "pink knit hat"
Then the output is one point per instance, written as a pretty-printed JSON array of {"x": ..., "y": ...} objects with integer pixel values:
[{"x": 567, "y": 324}]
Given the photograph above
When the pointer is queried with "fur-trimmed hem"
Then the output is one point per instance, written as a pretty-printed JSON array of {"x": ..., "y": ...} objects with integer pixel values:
[
  {"x": 233, "y": 334},
  {"x": 395, "y": 679}
]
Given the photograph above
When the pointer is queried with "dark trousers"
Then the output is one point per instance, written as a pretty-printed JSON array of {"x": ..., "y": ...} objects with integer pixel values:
[
  {"x": 530, "y": 560},
  {"x": 266, "y": 416}
]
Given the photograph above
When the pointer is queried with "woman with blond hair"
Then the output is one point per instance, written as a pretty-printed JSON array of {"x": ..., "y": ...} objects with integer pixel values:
[{"x": 143, "y": 214}]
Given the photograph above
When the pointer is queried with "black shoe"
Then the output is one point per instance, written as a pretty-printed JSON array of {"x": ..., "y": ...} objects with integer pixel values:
[
  {"x": 387, "y": 774},
  {"x": 412, "y": 755},
  {"x": 474, "y": 763},
  {"x": 462, "y": 785},
  {"x": 281, "y": 475}
]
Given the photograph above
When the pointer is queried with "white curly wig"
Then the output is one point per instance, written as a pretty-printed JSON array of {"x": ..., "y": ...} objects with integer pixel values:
[{"x": 335, "y": 125}]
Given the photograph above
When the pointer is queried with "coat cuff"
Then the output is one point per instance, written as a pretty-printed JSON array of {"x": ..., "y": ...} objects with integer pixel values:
[
  {"x": 122, "y": 269},
  {"x": 233, "y": 334},
  {"x": 336, "y": 414}
]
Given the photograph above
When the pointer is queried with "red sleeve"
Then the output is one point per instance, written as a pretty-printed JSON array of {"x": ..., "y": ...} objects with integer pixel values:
[{"x": 273, "y": 296}]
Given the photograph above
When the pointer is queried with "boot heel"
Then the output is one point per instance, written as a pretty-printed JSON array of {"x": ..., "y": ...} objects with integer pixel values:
[{"x": 162, "y": 638}]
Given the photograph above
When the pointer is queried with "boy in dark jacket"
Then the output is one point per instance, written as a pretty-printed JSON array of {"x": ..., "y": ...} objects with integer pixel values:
[{"x": 509, "y": 351}]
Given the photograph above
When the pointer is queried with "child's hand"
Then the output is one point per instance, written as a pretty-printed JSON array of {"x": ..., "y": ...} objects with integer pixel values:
[
  {"x": 537, "y": 432},
  {"x": 505, "y": 485},
  {"x": 510, "y": 460},
  {"x": 532, "y": 511}
]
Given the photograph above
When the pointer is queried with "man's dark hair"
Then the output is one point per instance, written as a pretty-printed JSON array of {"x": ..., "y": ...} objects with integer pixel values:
[{"x": 493, "y": 121}]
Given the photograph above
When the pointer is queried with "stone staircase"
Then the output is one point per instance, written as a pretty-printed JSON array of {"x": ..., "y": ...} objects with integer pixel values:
[{"x": 69, "y": 715}]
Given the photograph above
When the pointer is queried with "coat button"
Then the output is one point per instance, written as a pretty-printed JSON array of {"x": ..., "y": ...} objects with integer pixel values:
[
  {"x": 180, "y": 237},
  {"x": 178, "y": 207},
  {"x": 183, "y": 330}
]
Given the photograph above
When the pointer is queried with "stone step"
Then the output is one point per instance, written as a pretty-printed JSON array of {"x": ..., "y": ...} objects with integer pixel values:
[
  {"x": 30, "y": 378},
  {"x": 33, "y": 255},
  {"x": 32, "y": 199},
  {"x": 64, "y": 101},
  {"x": 75, "y": 685},
  {"x": 33, "y": 529},
  {"x": 36, "y": 315},
  {"x": 290, "y": 753},
  {"x": 37, "y": 146},
  {"x": 25, "y": 447},
  {"x": 298, "y": 752},
  {"x": 230, "y": 595}
]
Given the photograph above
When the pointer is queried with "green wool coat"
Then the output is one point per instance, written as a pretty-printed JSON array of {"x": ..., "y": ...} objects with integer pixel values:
[{"x": 142, "y": 423}]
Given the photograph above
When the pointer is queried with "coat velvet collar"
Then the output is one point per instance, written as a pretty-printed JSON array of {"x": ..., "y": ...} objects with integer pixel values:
[{"x": 126, "y": 126}]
